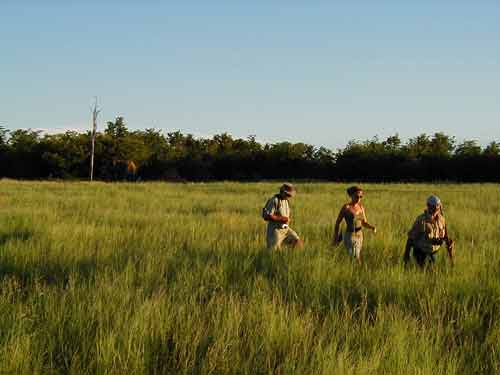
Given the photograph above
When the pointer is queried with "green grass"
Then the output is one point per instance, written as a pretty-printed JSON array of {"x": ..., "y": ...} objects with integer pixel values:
[{"x": 173, "y": 278}]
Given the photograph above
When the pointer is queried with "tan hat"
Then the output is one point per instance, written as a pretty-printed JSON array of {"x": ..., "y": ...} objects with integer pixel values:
[{"x": 288, "y": 189}]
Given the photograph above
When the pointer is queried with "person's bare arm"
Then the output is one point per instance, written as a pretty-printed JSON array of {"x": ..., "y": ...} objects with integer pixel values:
[
  {"x": 278, "y": 218},
  {"x": 340, "y": 217},
  {"x": 271, "y": 213},
  {"x": 366, "y": 224},
  {"x": 450, "y": 244}
]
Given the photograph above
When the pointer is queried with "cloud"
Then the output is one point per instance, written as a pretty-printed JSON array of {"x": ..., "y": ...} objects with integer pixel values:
[{"x": 79, "y": 128}]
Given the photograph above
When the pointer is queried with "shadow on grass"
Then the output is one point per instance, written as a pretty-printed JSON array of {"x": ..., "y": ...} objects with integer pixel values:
[
  {"x": 240, "y": 269},
  {"x": 209, "y": 272},
  {"x": 50, "y": 270},
  {"x": 19, "y": 234},
  {"x": 46, "y": 272}
]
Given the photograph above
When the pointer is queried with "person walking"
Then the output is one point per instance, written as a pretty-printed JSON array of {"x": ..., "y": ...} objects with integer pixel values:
[
  {"x": 354, "y": 215},
  {"x": 427, "y": 234},
  {"x": 277, "y": 214}
]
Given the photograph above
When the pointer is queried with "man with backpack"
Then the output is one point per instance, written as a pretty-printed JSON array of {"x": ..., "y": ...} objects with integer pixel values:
[{"x": 277, "y": 214}]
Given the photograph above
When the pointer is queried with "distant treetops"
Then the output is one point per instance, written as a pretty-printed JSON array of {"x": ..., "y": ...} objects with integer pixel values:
[{"x": 29, "y": 154}]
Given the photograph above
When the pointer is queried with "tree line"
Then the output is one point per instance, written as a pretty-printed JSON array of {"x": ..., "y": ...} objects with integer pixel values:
[{"x": 29, "y": 154}]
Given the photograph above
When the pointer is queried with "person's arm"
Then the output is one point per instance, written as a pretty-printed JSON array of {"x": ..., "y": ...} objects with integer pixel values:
[
  {"x": 278, "y": 218},
  {"x": 450, "y": 244},
  {"x": 366, "y": 224},
  {"x": 336, "y": 233},
  {"x": 409, "y": 245},
  {"x": 413, "y": 234},
  {"x": 270, "y": 213}
]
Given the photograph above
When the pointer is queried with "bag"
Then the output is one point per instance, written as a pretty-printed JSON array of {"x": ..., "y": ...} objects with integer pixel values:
[{"x": 264, "y": 215}]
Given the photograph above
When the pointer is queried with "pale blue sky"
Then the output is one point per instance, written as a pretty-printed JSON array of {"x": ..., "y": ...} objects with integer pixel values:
[{"x": 314, "y": 71}]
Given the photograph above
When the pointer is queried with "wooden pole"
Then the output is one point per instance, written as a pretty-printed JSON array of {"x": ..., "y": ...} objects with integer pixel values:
[{"x": 95, "y": 113}]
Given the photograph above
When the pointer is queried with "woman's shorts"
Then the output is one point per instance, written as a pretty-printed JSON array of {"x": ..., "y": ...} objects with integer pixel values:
[
  {"x": 353, "y": 242},
  {"x": 276, "y": 237}
]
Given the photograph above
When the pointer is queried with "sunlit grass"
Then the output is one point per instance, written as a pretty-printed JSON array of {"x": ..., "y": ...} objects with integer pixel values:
[{"x": 173, "y": 278}]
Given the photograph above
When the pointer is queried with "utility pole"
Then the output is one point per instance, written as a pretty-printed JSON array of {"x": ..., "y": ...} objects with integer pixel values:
[{"x": 95, "y": 113}]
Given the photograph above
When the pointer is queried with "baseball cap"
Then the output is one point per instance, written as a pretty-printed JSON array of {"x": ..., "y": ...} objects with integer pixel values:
[{"x": 434, "y": 201}]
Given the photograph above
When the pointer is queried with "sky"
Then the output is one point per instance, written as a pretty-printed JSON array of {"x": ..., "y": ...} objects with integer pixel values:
[{"x": 320, "y": 72}]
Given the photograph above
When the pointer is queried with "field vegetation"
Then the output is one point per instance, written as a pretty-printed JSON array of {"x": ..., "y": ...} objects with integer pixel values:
[{"x": 153, "y": 278}]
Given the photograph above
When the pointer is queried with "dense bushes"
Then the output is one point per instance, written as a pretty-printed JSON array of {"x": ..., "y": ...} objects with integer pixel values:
[{"x": 28, "y": 154}]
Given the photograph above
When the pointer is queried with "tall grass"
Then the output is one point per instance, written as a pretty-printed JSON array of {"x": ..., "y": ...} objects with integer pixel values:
[{"x": 173, "y": 278}]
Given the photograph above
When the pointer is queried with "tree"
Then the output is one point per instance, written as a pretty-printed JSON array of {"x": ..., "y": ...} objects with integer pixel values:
[
  {"x": 25, "y": 159},
  {"x": 224, "y": 142},
  {"x": 27, "y": 154},
  {"x": 116, "y": 129},
  {"x": 115, "y": 136},
  {"x": 4, "y": 133},
  {"x": 418, "y": 146},
  {"x": 392, "y": 143},
  {"x": 441, "y": 145},
  {"x": 493, "y": 149},
  {"x": 468, "y": 149}
]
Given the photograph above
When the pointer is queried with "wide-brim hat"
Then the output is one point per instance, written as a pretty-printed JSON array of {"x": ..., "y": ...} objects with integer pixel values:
[{"x": 288, "y": 189}]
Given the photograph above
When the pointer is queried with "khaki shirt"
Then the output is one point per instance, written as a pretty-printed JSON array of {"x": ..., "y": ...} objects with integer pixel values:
[
  {"x": 277, "y": 206},
  {"x": 425, "y": 229}
]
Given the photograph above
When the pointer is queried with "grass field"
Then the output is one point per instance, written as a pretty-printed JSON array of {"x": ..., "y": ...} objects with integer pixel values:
[{"x": 173, "y": 278}]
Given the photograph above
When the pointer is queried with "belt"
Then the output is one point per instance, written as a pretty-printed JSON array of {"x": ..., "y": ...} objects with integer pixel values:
[{"x": 355, "y": 230}]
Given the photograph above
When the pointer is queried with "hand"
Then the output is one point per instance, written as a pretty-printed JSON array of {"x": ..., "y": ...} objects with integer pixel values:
[
  {"x": 284, "y": 220},
  {"x": 450, "y": 245}
]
